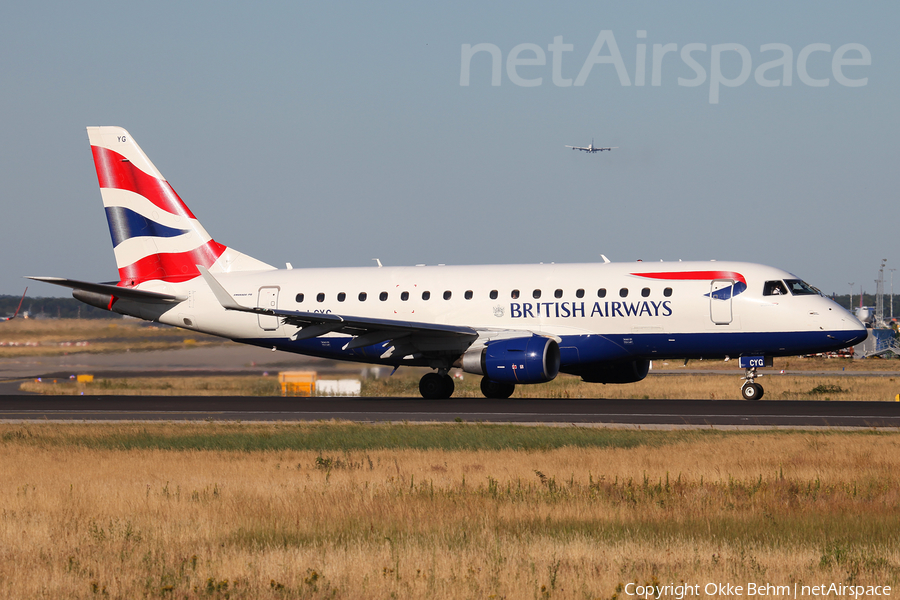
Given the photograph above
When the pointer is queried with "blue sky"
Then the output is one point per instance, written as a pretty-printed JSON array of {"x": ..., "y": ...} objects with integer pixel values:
[{"x": 326, "y": 134}]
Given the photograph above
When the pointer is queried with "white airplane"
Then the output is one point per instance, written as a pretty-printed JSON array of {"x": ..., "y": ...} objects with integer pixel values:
[
  {"x": 511, "y": 324},
  {"x": 18, "y": 308},
  {"x": 591, "y": 148}
]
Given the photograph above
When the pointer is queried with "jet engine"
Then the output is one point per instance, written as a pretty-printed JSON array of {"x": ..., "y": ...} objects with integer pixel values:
[{"x": 532, "y": 359}]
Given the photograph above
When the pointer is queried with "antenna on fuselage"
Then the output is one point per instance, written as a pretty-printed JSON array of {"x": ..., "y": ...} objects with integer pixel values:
[
  {"x": 378, "y": 261},
  {"x": 605, "y": 260}
]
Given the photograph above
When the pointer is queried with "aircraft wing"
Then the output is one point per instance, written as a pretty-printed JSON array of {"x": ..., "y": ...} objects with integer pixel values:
[
  {"x": 112, "y": 290},
  {"x": 424, "y": 337},
  {"x": 578, "y": 148}
]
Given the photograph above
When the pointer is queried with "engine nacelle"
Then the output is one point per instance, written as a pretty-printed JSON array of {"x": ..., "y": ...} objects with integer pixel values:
[
  {"x": 532, "y": 359},
  {"x": 628, "y": 371}
]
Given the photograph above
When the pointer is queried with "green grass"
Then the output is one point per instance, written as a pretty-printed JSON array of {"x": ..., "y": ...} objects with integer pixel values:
[
  {"x": 345, "y": 437},
  {"x": 349, "y": 436}
]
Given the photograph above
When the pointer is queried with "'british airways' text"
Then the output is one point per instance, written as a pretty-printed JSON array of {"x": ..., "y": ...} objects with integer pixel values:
[{"x": 565, "y": 310}]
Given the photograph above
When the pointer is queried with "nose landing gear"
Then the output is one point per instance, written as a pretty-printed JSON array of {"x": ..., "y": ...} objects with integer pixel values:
[{"x": 752, "y": 390}]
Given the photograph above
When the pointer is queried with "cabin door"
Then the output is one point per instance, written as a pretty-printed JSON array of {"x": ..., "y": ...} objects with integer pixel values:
[{"x": 720, "y": 293}]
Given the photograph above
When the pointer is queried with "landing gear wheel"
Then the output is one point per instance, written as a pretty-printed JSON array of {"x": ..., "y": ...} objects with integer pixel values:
[
  {"x": 434, "y": 386},
  {"x": 751, "y": 391},
  {"x": 449, "y": 386},
  {"x": 494, "y": 389}
]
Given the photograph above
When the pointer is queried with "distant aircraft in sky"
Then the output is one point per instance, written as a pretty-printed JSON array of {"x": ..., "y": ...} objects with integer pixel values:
[
  {"x": 591, "y": 148},
  {"x": 510, "y": 324},
  {"x": 18, "y": 308}
]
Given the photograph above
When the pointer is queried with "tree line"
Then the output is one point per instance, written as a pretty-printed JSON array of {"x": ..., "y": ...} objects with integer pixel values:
[{"x": 53, "y": 308}]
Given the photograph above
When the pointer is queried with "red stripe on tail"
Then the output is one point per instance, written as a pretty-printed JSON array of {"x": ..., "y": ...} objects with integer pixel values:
[
  {"x": 172, "y": 267},
  {"x": 115, "y": 171}
]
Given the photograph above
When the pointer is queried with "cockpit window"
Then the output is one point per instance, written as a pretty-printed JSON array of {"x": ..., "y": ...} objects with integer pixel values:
[
  {"x": 801, "y": 288},
  {"x": 774, "y": 288}
]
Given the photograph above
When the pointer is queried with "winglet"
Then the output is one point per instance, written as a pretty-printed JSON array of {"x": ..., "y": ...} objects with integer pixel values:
[
  {"x": 19, "y": 307},
  {"x": 221, "y": 293}
]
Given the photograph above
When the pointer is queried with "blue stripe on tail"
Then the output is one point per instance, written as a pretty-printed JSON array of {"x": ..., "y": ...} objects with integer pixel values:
[{"x": 124, "y": 223}]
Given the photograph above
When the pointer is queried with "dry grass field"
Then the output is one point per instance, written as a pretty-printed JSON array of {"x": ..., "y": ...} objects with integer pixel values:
[
  {"x": 47, "y": 337},
  {"x": 231, "y": 385},
  {"x": 714, "y": 386},
  {"x": 437, "y": 511}
]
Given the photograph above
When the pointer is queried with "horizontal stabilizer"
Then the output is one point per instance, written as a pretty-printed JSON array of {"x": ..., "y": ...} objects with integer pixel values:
[{"x": 112, "y": 290}]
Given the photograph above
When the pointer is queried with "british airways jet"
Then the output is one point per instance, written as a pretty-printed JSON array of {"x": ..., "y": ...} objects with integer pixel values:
[
  {"x": 511, "y": 324},
  {"x": 590, "y": 148}
]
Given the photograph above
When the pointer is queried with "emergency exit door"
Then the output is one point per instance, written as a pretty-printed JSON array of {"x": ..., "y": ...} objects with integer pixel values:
[{"x": 268, "y": 298}]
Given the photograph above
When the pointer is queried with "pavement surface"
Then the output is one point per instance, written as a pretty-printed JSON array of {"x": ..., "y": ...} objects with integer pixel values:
[
  {"x": 223, "y": 360},
  {"x": 686, "y": 413}
]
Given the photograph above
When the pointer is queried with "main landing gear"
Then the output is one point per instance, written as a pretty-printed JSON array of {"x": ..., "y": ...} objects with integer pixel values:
[
  {"x": 436, "y": 386},
  {"x": 495, "y": 389},
  {"x": 751, "y": 390},
  {"x": 440, "y": 386}
]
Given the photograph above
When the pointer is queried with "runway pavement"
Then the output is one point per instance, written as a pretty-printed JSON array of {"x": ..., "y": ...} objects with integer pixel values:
[
  {"x": 220, "y": 360},
  {"x": 708, "y": 413}
]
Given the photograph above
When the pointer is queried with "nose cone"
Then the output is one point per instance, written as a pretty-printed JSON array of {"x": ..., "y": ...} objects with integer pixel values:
[{"x": 851, "y": 330}]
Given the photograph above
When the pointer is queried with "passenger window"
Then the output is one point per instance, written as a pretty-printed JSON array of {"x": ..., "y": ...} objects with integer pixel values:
[
  {"x": 362, "y": 296},
  {"x": 468, "y": 294},
  {"x": 774, "y": 288},
  {"x": 426, "y": 295},
  {"x": 494, "y": 294},
  {"x": 579, "y": 293},
  {"x": 447, "y": 294},
  {"x": 645, "y": 292},
  {"x": 342, "y": 296},
  {"x": 667, "y": 292},
  {"x": 299, "y": 298},
  {"x": 514, "y": 294},
  {"x": 383, "y": 296},
  {"x": 601, "y": 293},
  {"x": 404, "y": 296},
  {"x": 623, "y": 293},
  {"x": 557, "y": 294},
  {"x": 320, "y": 297},
  {"x": 536, "y": 294}
]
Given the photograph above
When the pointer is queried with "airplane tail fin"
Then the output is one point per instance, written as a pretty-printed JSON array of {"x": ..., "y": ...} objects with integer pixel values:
[{"x": 155, "y": 235}]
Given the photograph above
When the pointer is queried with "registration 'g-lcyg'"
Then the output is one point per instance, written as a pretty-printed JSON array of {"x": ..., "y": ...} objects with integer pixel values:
[{"x": 511, "y": 324}]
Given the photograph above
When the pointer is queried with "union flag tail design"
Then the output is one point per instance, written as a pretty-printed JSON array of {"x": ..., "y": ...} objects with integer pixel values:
[{"x": 155, "y": 235}]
